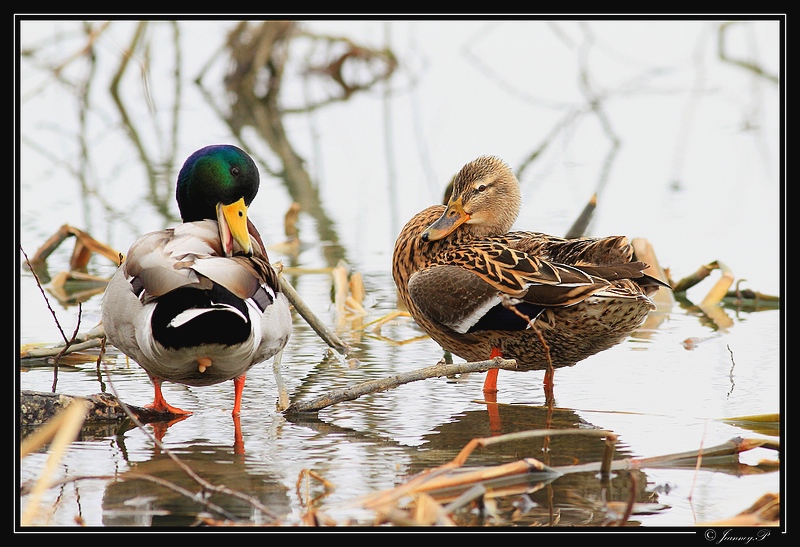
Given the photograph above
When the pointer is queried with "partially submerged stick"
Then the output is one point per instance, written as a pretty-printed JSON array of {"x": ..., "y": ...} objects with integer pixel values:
[
  {"x": 37, "y": 407},
  {"x": 34, "y": 353},
  {"x": 382, "y": 384}
]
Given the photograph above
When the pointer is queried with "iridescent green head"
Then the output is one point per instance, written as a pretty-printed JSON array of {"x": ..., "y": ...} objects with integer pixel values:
[
  {"x": 220, "y": 173},
  {"x": 218, "y": 182}
]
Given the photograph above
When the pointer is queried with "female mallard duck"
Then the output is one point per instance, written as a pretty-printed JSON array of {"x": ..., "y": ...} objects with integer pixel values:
[
  {"x": 481, "y": 291},
  {"x": 200, "y": 304}
]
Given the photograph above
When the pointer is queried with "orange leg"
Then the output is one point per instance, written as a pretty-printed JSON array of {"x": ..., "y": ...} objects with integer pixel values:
[
  {"x": 490, "y": 383},
  {"x": 160, "y": 404},
  {"x": 159, "y": 430},
  {"x": 238, "y": 388},
  {"x": 549, "y": 382},
  {"x": 490, "y": 393},
  {"x": 238, "y": 440},
  {"x": 495, "y": 422}
]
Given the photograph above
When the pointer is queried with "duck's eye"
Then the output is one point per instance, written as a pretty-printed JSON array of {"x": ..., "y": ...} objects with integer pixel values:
[
  {"x": 482, "y": 188},
  {"x": 235, "y": 171}
]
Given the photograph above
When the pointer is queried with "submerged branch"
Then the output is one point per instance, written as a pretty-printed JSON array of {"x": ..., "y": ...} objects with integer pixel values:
[{"x": 383, "y": 384}]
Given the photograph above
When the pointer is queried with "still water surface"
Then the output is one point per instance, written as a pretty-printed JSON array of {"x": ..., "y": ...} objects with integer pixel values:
[{"x": 696, "y": 174}]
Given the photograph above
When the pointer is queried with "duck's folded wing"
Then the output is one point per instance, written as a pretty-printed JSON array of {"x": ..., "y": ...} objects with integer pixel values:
[
  {"x": 607, "y": 258},
  {"x": 583, "y": 251},
  {"x": 452, "y": 296},
  {"x": 191, "y": 256},
  {"x": 526, "y": 277},
  {"x": 472, "y": 286},
  {"x": 246, "y": 277},
  {"x": 153, "y": 265}
]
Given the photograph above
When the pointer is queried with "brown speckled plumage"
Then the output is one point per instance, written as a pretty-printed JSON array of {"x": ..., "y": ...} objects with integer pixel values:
[{"x": 458, "y": 271}]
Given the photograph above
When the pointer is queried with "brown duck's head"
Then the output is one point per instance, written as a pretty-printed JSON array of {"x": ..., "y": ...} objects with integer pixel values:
[{"x": 485, "y": 201}]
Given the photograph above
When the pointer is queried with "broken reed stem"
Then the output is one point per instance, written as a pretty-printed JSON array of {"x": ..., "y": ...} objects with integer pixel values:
[
  {"x": 483, "y": 442},
  {"x": 519, "y": 467},
  {"x": 693, "y": 279},
  {"x": 718, "y": 291},
  {"x": 383, "y": 384},
  {"x": 440, "y": 477},
  {"x": 68, "y": 425},
  {"x": 608, "y": 454},
  {"x": 680, "y": 459}
]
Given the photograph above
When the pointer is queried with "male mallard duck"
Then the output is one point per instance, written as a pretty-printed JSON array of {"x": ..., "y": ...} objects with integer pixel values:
[
  {"x": 200, "y": 304},
  {"x": 481, "y": 291}
]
